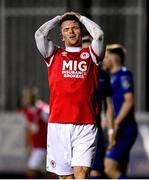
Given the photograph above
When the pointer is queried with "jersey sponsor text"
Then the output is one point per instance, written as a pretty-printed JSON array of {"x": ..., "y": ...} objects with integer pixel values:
[{"x": 74, "y": 69}]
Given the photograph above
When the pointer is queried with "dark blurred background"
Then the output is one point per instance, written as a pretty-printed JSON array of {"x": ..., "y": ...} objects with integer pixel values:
[{"x": 123, "y": 21}]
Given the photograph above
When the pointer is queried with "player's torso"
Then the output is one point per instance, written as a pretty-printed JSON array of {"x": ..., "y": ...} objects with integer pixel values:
[
  {"x": 37, "y": 127},
  {"x": 120, "y": 85},
  {"x": 73, "y": 78}
]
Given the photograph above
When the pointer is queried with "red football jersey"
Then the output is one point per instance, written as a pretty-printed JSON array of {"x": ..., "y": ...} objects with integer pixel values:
[
  {"x": 73, "y": 80},
  {"x": 36, "y": 122}
]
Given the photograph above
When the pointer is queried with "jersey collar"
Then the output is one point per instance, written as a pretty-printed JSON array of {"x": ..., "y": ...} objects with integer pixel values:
[{"x": 73, "y": 49}]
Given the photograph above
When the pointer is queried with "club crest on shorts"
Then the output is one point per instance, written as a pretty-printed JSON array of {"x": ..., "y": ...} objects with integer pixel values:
[
  {"x": 84, "y": 55},
  {"x": 53, "y": 163}
]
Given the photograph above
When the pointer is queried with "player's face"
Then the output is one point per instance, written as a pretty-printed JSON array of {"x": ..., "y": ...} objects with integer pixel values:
[
  {"x": 28, "y": 98},
  {"x": 107, "y": 60},
  {"x": 71, "y": 33}
]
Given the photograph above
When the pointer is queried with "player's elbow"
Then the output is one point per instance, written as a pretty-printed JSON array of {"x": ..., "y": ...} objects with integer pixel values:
[
  {"x": 99, "y": 35},
  {"x": 129, "y": 99},
  {"x": 38, "y": 34},
  {"x": 131, "y": 103}
]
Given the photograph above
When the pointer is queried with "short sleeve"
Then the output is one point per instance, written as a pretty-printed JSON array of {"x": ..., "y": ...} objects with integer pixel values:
[{"x": 127, "y": 83}]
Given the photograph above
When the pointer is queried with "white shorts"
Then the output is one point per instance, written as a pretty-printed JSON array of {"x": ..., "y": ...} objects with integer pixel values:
[
  {"x": 70, "y": 145},
  {"x": 37, "y": 159}
]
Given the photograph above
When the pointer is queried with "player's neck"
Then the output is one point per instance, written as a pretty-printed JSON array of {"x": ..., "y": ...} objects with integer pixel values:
[{"x": 115, "y": 68}]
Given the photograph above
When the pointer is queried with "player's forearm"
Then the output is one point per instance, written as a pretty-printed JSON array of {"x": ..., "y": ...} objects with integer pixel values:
[
  {"x": 110, "y": 113},
  {"x": 125, "y": 109},
  {"x": 46, "y": 27},
  {"x": 93, "y": 28},
  {"x": 46, "y": 47},
  {"x": 110, "y": 118},
  {"x": 96, "y": 33}
]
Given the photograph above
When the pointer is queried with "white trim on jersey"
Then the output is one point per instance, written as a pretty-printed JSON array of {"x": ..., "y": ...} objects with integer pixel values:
[
  {"x": 97, "y": 47},
  {"x": 51, "y": 60},
  {"x": 94, "y": 58},
  {"x": 73, "y": 49}
]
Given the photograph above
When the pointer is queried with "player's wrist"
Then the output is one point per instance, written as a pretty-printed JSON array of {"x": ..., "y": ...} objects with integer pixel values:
[
  {"x": 110, "y": 131},
  {"x": 81, "y": 18},
  {"x": 116, "y": 125},
  {"x": 59, "y": 17}
]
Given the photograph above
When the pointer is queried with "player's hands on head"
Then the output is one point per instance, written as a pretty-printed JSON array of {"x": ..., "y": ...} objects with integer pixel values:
[{"x": 71, "y": 13}]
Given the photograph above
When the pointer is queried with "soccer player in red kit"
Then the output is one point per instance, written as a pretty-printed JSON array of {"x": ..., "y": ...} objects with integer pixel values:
[
  {"x": 36, "y": 119},
  {"x": 73, "y": 80}
]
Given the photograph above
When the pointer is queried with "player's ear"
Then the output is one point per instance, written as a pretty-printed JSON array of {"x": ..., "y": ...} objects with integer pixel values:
[{"x": 61, "y": 36}]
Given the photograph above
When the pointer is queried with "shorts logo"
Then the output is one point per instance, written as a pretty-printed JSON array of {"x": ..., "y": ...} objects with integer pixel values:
[
  {"x": 84, "y": 55},
  {"x": 53, "y": 163}
]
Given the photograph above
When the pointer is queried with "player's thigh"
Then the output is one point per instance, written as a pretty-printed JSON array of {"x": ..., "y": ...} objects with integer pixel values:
[
  {"x": 111, "y": 164},
  {"x": 59, "y": 149},
  {"x": 84, "y": 145},
  {"x": 124, "y": 142},
  {"x": 112, "y": 168},
  {"x": 81, "y": 172},
  {"x": 66, "y": 177}
]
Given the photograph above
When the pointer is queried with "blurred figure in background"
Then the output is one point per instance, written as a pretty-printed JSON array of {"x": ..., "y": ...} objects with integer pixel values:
[
  {"x": 36, "y": 115},
  {"x": 105, "y": 104},
  {"x": 117, "y": 158}
]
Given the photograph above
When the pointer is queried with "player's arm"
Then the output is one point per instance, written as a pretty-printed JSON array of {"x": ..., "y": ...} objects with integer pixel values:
[
  {"x": 45, "y": 113},
  {"x": 97, "y": 34},
  {"x": 109, "y": 104},
  {"x": 109, "y": 112},
  {"x": 46, "y": 47},
  {"x": 28, "y": 140},
  {"x": 110, "y": 122},
  {"x": 128, "y": 93},
  {"x": 27, "y": 133},
  {"x": 125, "y": 109}
]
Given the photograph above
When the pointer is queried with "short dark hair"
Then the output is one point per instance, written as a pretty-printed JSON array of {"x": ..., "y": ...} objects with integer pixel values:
[
  {"x": 117, "y": 49},
  {"x": 71, "y": 17}
]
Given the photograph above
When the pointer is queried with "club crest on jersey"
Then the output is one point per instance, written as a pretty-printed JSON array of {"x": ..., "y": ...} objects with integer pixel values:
[{"x": 84, "y": 55}]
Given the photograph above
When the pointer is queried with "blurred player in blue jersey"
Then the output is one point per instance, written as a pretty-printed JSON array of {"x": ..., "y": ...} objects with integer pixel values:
[
  {"x": 117, "y": 158},
  {"x": 104, "y": 101},
  {"x": 106, "y": 106}
]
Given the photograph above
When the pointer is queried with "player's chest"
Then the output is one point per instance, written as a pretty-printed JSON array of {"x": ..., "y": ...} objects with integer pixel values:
[
  {"x": 33, "y": 115},
  {"x": 69, "y": 66},
  {"x": 115, "y": 84}
]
